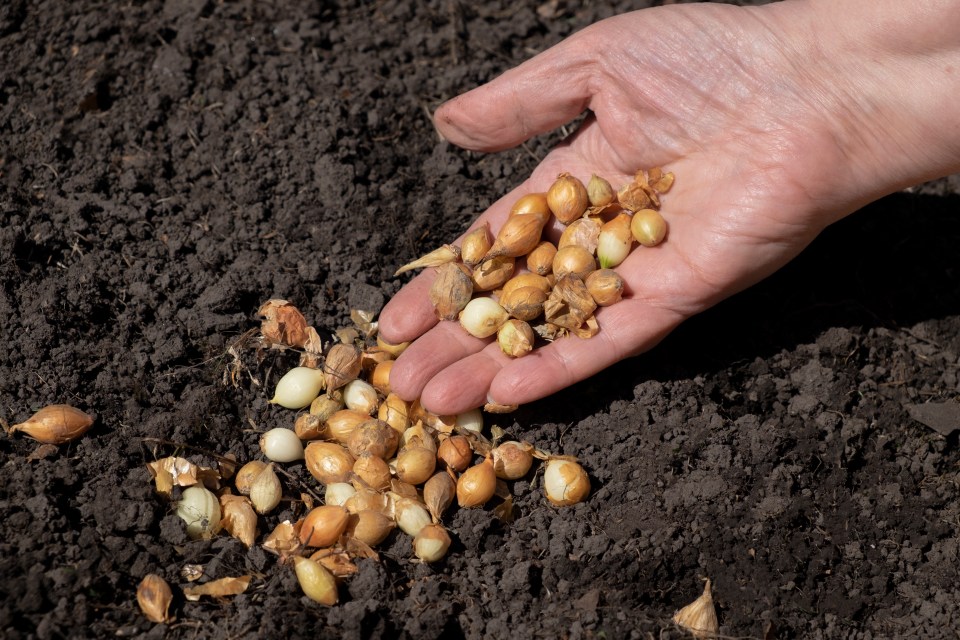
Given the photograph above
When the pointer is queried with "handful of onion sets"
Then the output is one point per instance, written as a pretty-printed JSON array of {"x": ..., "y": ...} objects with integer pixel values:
[{"x": 530, "y": 287}]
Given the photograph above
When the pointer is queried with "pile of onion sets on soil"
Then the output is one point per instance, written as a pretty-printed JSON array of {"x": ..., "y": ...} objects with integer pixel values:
[{"x": 382, "y": 463}]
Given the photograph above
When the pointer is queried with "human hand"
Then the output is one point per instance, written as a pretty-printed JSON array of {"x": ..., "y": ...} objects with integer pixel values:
[{"x": 775, "y": 120}]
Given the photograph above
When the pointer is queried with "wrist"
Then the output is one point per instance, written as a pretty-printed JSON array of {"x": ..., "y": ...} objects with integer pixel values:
[{"x": 889, "y": 78}]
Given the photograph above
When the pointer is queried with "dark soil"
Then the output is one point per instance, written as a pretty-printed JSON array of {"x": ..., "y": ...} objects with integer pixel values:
[{"x": 167, "y": 167}]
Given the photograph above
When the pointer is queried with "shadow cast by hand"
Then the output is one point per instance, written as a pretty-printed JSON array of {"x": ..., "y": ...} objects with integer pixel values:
[{"x": 892, "y": 264}]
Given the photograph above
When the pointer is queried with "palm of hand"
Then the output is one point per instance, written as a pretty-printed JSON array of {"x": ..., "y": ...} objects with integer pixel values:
[{"x": 746, "y": 198}]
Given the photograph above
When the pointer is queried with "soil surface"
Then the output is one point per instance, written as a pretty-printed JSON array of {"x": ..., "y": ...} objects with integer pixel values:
[{"x": 168, "y": 166}]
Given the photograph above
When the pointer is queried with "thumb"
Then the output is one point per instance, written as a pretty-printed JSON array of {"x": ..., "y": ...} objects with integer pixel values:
[{"x": 541, "y": 94}]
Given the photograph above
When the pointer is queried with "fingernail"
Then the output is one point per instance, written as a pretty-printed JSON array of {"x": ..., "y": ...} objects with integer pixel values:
[{"x": 493, "y": 406}]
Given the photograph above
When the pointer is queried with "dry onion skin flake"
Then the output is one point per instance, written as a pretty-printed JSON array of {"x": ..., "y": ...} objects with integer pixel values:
[{"x": 219, "y": 588}]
